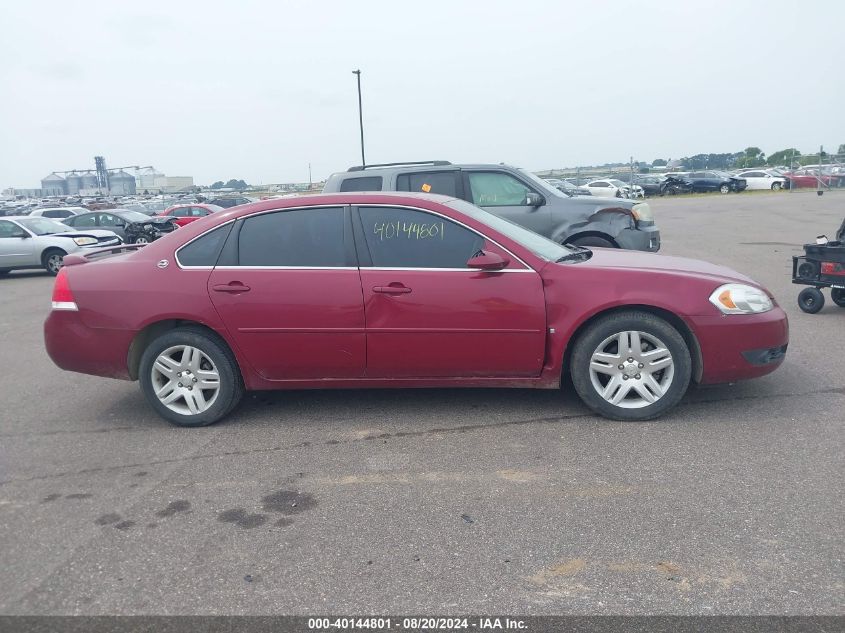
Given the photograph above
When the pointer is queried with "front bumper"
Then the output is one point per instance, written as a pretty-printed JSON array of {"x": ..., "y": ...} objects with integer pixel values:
[
  {"x": 643, "y": 238},
  {"x": 739, "y": 347}
]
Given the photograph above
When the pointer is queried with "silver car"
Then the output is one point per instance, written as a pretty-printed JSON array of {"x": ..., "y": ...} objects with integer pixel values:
[{"x": 32, "y": 242}]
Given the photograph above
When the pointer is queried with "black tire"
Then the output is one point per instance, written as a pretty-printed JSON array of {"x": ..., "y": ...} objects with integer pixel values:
[
  {"x": 231, "y": 384},
  {"x": 776, "y": 186},
  {"x": 838, "y": 296},
  {"x": 643, "y": 322},
  {"x": 725, "y": 189},
  {"x": 141, "y": 239},
  {"x": 592, "y": 240},
  {"x": 48, "y": 260},
  {"x": 810, "y": 300},
  {"x": 671, "y": 191}
]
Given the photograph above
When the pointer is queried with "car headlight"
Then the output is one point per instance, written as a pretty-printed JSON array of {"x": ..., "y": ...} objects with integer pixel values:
[
  {"x": 740, "y": 299},
  {"x": 642, "y": 212},
  {"x": 85, "y": 241}
]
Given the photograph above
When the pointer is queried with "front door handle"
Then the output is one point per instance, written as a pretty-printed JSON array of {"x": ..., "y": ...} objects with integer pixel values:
[
  {"x": 232, "y": 287},
  {"x": 397, "y": 289}
]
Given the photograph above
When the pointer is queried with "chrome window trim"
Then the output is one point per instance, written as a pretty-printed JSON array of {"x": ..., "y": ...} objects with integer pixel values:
[{"x": 527, "y": 269}]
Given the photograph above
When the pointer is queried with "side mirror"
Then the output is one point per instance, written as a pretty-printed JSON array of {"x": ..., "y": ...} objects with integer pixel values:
[
  {"x": 533, "y": 199},
  {"x": 485, "y": 260}
]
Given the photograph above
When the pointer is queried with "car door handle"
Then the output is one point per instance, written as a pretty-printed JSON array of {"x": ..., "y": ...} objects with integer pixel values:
[
  {"x": 233, "y": 287},
  {"x": 392, "y": 290}
]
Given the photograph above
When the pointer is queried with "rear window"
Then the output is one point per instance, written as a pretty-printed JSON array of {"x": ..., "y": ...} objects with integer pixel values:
[
  {"x": 204, "y": 250},
  {"x": 370, "y": 183}
]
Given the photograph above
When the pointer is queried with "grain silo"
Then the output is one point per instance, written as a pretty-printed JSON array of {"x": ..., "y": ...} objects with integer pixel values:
[
  {"x": 121, "y": 184},
  {"x": 73, "y": 183},
  {"x": 53, "y": 185},
  {"x": 89, "y": 183}
]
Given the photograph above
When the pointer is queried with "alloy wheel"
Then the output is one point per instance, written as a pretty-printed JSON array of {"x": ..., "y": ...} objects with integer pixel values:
[
  {"x": 54, "y": 263},
  {"x": 632, "y": 369},
  {"x": 185, "y": 380}
]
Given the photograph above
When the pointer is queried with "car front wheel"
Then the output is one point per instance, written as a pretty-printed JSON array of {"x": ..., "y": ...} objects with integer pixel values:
[
  {"x": 142, "y": 239},
  {"x": 776, "y": 186},
  {"x": 631, "y": 366},
  {"x": 725, "y": 189},
  {"x": 190, "y": 377},
  {"x": 52, "y": 260}
]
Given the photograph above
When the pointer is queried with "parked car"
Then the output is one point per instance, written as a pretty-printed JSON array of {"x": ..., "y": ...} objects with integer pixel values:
[
  {"x": 414, "y": 290},
  {"x": 703, "y": 181},
  {"x": 227, "y": 202},
  {"x": 183, "y": 214},
  {"x": 517, "y": 195},
  {"x": 757, "y": 179},
  {"x": 609, "y": 188},
  {"x": 811, "y": 178},
  {"x": 649, "y": 184},
  {"x": 675, "y": 184},
  {"x": 34, "y": 242},
  {"x": 567, "y": 187},
  {"x": 56, "y": 213},
  {"x": 131, "y": 226}
]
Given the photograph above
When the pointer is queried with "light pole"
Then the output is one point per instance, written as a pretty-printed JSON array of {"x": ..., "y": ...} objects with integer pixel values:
[{"x": 360, "y": 117}]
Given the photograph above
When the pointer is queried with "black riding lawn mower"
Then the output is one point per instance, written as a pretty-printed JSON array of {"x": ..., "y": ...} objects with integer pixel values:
[{"x": 821, "y": 266}]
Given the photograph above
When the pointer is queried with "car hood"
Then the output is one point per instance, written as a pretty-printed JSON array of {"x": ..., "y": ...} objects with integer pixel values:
[
  {"x": 96, "y": 233},
  {"x": 637, "y": 260},
  {"x": 602, "y": 202}
]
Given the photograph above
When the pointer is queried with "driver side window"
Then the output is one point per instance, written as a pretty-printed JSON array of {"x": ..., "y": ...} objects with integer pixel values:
[
  {"x": 408, "y": 238},
  {"x": 495, "y": 189},
  {"x": 9, "y": 229}
]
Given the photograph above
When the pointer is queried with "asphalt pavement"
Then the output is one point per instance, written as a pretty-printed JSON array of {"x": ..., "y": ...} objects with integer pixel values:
[{"x": 439, "y": 501}]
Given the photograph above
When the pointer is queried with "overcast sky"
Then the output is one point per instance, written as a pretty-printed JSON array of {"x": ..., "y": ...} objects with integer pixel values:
[{"x": 257, "y": 90}]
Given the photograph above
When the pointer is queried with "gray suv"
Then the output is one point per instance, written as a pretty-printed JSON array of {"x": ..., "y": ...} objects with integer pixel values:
[{"x": 517, "y": 195}]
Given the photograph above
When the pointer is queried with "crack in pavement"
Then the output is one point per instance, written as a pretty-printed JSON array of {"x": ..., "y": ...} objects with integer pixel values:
[{"x": 401, "y": 434}]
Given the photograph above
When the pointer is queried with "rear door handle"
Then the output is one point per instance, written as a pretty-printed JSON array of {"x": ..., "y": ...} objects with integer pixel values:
[
  {"x": 232, "y": 287},
  {"x": 392, "y": 290}
]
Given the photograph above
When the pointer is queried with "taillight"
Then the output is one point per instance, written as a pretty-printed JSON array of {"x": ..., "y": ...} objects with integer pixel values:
[
  {"x": 62, "y": 294},
  {"x": 833, "y": 268}
]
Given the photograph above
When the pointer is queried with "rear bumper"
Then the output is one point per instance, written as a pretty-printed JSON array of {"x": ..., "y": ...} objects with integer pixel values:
[
  {"x": 73, "y": 346},
  {"x": 739, "y": 347},
  {"x": 640, "y": 239}
]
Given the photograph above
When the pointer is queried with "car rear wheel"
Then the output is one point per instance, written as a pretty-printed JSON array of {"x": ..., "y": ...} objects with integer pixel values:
[
  {"x": 592, "y": 241},
  {"x": 190, "y": 377},
  {"x": 52, "y": 260},
  {"x": 810, "y": 300},
  {"x": 631, "y": 366},
  {"x": 838, "y": 296},
  {"x": 776, "y": 186},
  {"x": 725, "y": 189}
]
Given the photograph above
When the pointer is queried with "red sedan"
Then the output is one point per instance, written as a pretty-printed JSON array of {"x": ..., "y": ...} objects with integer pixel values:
[
  {"x": 402, "y": 290},
  {"x": 187, "y": 213},
  {"x": 810, "y": 178}
]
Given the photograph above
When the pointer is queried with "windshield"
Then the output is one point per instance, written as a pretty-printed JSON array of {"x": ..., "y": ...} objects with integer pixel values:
[
  {"x": 43, "y": 226},
  {"x": 537, "y": 244},
  {"x": 133, "y": 216},
  {"x": 543, "y": 184}
]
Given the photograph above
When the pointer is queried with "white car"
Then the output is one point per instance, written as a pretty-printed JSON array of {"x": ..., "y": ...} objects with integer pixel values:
[
  {"x": 763, "y": 179},
  {"x": 57, "y": 213},
  {"x": 611, "y": 188},
  {"x": 27, "y": 242}
]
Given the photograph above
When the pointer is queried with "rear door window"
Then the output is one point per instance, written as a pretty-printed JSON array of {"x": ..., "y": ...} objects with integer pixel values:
[
  {"x": 369, "y": 183},
  {"x": 306, "y": 238},
  {"x": 397, "y": 237},
  {"x": 204, "y": 250},
  {"x": 444, "y": 183}
]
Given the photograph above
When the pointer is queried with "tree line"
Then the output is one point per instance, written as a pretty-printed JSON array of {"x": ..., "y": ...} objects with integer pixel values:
[{"x": 751, "y": 157}]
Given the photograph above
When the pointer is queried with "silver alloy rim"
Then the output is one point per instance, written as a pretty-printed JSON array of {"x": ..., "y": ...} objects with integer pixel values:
[
  {"x": 632, "y": 370},
  {"x": 54, "y": 263},
  {"x": 142, "y": 240},
  {"x": 725, "y": 189},
  {"x": 185, "y": 380}
]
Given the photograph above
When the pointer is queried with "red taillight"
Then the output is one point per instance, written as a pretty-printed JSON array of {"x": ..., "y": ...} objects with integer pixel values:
[
  {"x": 62, "y": 294},
  {"x": 833, "y": 268}
]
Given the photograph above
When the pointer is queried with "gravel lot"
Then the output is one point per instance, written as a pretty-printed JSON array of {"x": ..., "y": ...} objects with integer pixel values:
[{"x": 440, "y": 501}]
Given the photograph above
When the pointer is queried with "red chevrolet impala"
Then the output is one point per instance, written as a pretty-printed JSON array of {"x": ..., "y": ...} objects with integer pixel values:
[{"x": 402, "y": 290}]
